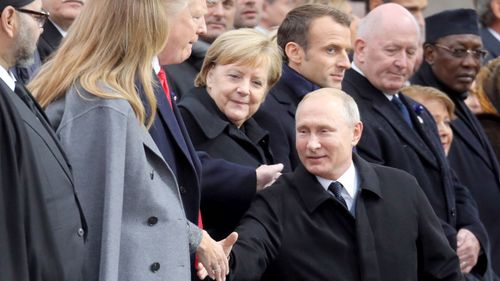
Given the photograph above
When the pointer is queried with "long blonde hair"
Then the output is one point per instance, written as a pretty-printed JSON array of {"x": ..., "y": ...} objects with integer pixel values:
[{"x": 112, "y": 42}]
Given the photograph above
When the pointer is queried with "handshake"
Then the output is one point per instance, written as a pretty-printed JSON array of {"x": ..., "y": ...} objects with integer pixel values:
[{"x": 214, "y": 256}]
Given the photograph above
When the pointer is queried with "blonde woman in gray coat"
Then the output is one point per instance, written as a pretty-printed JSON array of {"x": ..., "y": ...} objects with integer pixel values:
[{"x": 98, "y": 94}]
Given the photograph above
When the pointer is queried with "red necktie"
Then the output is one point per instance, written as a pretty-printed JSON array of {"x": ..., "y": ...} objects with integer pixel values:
[{"x": 163, "y": 80}]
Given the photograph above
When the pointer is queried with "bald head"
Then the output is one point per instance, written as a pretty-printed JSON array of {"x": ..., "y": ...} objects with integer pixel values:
[
  {"x": 387, "y": 46},
  {"x": 384, "y": 18}
]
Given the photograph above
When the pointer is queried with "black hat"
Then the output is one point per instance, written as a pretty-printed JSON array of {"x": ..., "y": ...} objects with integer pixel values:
[
  {"x": 14, "y": 3},
  {"x": 451, "y": 22}
]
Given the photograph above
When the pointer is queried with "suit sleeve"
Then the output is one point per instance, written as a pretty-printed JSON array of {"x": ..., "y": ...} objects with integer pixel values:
[
  {"x": 259, "y": 239},
  {"x": 437, "y": 260},
  {"x": 468, "y": 218}
]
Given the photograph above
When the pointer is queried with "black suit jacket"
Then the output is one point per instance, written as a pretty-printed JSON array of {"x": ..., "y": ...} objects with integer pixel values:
[
  {"x": 296, "y": 230},
  {"x": 26, "y": 237},
  {"x": 49, "y": 40},
  {"x": 55, "y": 182},
  {"x": 389, "y": 141}
]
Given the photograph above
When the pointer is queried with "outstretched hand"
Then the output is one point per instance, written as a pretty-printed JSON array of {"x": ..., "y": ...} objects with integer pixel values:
[
  {"x": 267, "y": 175},
  {"x": 226, "y": 245}
]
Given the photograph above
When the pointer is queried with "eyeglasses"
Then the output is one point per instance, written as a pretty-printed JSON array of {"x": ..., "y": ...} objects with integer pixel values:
[
  {"x": 461, "y": 53},
  {"x": 40, "y": 17}
]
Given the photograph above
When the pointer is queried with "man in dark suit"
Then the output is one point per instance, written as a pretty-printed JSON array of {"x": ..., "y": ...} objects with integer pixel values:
[
  {"x": 401, "y": 134},
  {"x": 338, "y": 217},
  {"x": 170, "y": 134},
  {"x": 53, "y": 180},
  {"x": 453, "y": 52},
  {"x": 489, "y": 17},
  {"x": 314, "y": 40}
]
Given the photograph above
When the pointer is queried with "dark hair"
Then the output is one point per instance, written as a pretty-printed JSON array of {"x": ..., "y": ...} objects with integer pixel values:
[{"x": 295, "y": 26}]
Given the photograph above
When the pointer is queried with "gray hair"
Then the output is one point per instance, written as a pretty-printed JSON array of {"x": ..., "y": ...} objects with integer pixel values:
[{"x": 350, "y": 110}]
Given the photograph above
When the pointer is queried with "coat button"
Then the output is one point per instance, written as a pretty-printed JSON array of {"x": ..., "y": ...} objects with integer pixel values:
[
  {"x": 152, "y": 174},
  {"x": 152, "y": 221},
  {"x": 155, "y": 266},
  {"x": 453, "y": 212},
  {"x": 80, "y": 232},
  {"x": 182, "y": 189}
]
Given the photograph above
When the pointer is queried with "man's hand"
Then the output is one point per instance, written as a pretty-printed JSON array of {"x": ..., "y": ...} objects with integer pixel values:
[
  {"x": 468, "y": 249},
  {"x": 267, "y": 174},
  {"x": 227, "y": 245}
]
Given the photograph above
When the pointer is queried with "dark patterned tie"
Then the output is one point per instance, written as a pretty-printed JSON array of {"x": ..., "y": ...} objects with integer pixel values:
[
  {"x": 335, "y": 188},
  {"x": 402, "y": 109}
]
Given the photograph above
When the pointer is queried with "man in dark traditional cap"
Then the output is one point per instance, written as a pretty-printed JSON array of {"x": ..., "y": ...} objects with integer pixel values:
[
  {"x": 453, "y": 52},
  {"x": 42, "y": 227}
]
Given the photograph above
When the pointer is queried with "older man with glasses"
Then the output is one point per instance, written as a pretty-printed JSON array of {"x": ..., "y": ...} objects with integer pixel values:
[{"x": 453, "y": 54}]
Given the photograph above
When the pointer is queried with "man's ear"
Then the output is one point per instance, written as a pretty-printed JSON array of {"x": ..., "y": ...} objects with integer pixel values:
[
  {"x": 358, "y": 131},
  {"x": 8, "y": 21},
  {"x": 359, "y": 50},
  {"x": 429, "y": 53},
  {"x": 294, "y": 53}
]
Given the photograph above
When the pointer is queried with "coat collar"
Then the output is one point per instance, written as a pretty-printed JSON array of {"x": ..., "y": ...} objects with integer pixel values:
[
  {"x": 212, "y": 121},
  {"x": 298, "y": 85},
  {"x": 425, "y": 76},
  {"x": 51, "y": 35},
  {"x": 313, "y": 194}
]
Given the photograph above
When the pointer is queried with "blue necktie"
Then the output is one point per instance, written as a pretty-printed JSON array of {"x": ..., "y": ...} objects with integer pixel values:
[
  {"x": 402, "y": 109},
  {"x": 335, "y": 188}
]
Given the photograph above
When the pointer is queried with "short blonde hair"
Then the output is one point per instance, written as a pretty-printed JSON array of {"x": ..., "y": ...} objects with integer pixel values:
[
  {"x": 243, "y": 46},
  {"x": 422, "y": 94}
]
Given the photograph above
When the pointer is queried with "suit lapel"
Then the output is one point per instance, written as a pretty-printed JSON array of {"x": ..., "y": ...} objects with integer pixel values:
[
  {"x": 43, "y": 130},
  {"x": 166, "y": 113},
  {"x": 384, "y": 108}
]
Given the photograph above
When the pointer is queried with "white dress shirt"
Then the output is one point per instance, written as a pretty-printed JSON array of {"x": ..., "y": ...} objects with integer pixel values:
[
  {"x": 350, "y": 181},
  {"x": 8, "y": 78}
]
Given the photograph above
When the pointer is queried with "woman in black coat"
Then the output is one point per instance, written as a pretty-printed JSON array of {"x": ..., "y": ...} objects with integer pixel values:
[{"x": 239, "y": 69}]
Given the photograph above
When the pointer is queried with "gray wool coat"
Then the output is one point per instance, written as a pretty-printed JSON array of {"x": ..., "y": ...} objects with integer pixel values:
[{"x": 137, "y": 226}]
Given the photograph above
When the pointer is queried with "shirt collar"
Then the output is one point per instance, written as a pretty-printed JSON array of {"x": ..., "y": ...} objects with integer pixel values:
[
  {"x": 156, "y": 65},
  {"x": 356, "y": 68},
  {"x": 349, "y": 180},
  {"x": 62, "y": 31},
  {"x": 8, "y": 78},
  {"x": 494, "y": 33}
]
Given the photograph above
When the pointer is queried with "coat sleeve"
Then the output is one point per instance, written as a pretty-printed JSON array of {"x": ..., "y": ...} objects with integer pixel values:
[
  {"x": 96, "y": 144},
  {"x": 259, "y": 239},
  {"x": 438, "y": 261},
  {"x": 468, "y": 218}
]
